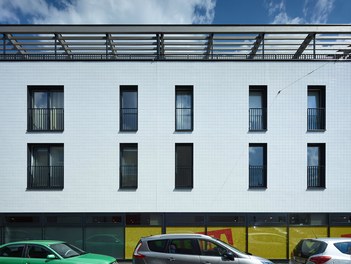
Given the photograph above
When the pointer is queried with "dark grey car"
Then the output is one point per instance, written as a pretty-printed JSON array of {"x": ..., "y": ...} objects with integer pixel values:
[{"x": 189, "y": 248}]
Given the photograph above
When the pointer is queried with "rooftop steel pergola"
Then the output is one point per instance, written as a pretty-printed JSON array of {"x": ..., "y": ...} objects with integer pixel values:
[{"x": 175, "y": 42}]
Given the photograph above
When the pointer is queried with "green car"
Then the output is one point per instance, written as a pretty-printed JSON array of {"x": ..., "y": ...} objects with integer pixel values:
[{"x": 48, "y": 251}]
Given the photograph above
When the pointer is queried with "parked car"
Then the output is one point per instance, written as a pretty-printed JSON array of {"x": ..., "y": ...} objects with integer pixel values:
[
  {"x": 45, "y": 251},
  {"x": 189, "y": 248},
  {"x": 322, "y": 251}
]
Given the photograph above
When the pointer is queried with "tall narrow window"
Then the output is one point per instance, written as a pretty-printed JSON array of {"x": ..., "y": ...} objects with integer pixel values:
[
  {"x": 257, "y": 165},
  {"x": 257, "y": 108},
  {"x": 128, "y": 166},
  {"x": 316, "y": 165},
  {"x": 184, "y": 166},
  {"x": 316, "y": 108},
  {"x": 45, "y": 108},
  {"x": 184, "y": 108},
  {"x": 45, "y": 166},
  {"x": 128, "y": 108}
]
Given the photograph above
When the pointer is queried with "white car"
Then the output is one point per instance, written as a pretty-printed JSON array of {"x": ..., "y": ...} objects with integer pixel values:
[{"x": 322, "y": 251}]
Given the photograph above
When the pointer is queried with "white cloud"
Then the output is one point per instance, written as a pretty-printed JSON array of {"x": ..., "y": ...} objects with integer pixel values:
[
  {"x": 318, "y": 10},
  {"x": 107, "y": 11},
  {"x": 312, "y": 12}
]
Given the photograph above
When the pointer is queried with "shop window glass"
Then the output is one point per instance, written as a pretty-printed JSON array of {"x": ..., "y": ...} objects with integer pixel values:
[
  {"x": 22, "y": 233},
  {"x": 71, "y": 235},
  {"x": 105, "y": 240}
]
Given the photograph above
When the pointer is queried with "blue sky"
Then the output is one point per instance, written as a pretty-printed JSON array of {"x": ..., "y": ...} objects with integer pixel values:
[{"x": 175, "y": 11}]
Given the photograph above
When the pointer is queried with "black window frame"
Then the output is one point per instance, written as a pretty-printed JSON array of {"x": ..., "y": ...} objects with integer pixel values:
[
  {"x": 319, "y": 170},
  {"x": 122, "y": 147},
  {"x": 180, "y": 177},
  {"x": 47, "y": 122},
  {"x": 316, "y": 117},
  {"x": 263, "y": 168},
  {"x": 258, "y": 115},
  {"x": 189, "y": 90},
  {"x": 131, "y": 111},
  {"x": 51, "y": 171}
]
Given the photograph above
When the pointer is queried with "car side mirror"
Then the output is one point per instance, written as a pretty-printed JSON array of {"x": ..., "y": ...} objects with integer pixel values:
[
  {"x": 228, "y": 255},
  {"x": 51, "y": 256}
]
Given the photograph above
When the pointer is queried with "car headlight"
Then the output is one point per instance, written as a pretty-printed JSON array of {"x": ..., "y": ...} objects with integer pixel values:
[{"x": 266, "y": 262}]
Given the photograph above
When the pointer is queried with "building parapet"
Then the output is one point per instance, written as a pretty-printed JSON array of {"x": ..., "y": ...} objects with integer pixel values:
[{"x": 174, "y": 42}]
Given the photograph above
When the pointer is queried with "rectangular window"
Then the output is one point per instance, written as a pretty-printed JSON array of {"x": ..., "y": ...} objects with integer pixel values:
[
  {"x": 316, "y": 165},
  {"x": 184, "y": 108},
  {"x": 184, "y": 166},
  {"x": 258, "y": 166},
  {"x": 45, "y": 166},
  {"x": 257, "y": 108},
  {"x": 128, "y": 166},
  {"x": 316, "y": 108},
  {"x": 128, "y": 108},
  {"x": 45, "y": 108}
]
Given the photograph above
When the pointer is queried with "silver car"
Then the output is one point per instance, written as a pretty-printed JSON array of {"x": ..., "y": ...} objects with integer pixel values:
[
  {"x": 189, "y": 248},
  {"x": 322, "y": 251}
]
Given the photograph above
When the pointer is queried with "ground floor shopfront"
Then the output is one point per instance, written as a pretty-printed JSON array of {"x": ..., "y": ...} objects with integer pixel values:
[{"x": 270, "y": 235}]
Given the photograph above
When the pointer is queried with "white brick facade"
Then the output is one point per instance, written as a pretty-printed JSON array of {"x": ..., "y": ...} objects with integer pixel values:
[{"x": 91, "y": 136}]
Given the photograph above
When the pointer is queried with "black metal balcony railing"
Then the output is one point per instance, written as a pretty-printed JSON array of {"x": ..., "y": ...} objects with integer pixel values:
[
  {"x": 129, "y": 176},
  {"x": 315, "y": 176},
  {"x": 257, "y": 119},
  {"x": 45, "y": 177},
  {"x": 257, "y": 177},
  {"x": 184, "y": 119},
  {"x": 45, "y": 119},
  {"x": 129, "y": 119},
  {"x": 184, "y": 177},
  {"x": 315, "y": 118}
]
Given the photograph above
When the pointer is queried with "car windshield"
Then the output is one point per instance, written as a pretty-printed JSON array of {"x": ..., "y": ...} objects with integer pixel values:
[{"x": 66, "y": 250}]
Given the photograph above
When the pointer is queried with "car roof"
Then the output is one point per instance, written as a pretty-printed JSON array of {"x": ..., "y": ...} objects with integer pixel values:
[
  {"x": 176, "y": 236},
  {"x": 37, "y": 242},
  {"x": 331, "y": 239}
]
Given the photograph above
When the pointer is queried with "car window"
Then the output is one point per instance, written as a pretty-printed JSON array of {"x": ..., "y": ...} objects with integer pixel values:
[
  {"x": 157, "y": 245},
  {"x": 312, "y": 247},
  {"x": 209, "y": 248},
  {"x": 344, "y": 247},
  {"x": 12, "y": 251},
  {"x": 35, "y": 251},
  {"x": 184, "y": 246}
]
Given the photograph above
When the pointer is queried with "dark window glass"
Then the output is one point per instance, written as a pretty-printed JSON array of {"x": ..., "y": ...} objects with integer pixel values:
[
  {"x": 185, "y": 219},
  {"x": 226, "y": 219},
  {"x": 209, "y": 248},
  {"x": 267, "y": 219},
  {"x": 257, "y": 166},
  {"x": 105, "y": 240},
  {"x": 72, "y": 235},
  {"x": 46, "y": 167},
  {"x": 184, "y": 246},
  {"x": 184, "y": 166},
  {"x": 128, "y": 108},
  {"x": 104, "y": 219},
  {"x": 316, "y": 108},
  {"x": 344, "y": 247},
  {"x": 340, "y": 219},
  {"x": 46, "y": 109},
  {"x": 257, "y": 108},
  {"x": 35, "y": 251},
  {"x": 316, "y": 165},
  {"x": 157, "y": 245},
  {"x": 12, "y": 251},
  {"x": 129, "y": 166},
  {"x": 64, "y": 219},
  {"x": 144, "y": 219},
  {"x": 22, "y": 233},
  {"x": 184, "y": 108},
  {"x": 308, "y": 219},
  {"x": 308, "y": 247}
]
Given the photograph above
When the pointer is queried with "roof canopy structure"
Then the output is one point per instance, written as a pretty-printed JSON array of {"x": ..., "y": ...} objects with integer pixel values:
[{"x": 175, "y": 42}]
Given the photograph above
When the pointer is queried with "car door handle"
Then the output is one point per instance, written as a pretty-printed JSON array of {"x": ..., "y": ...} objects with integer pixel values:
[{"x": 171, "y": 259}]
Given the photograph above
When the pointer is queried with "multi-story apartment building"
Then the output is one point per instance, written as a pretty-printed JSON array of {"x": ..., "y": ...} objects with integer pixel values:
[{"x": 110, "y": 132}]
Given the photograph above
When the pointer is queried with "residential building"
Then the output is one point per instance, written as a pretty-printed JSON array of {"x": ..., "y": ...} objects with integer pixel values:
[{"x": 113, "y": 132}]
